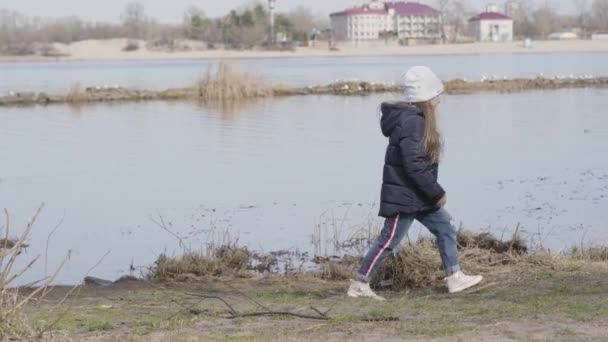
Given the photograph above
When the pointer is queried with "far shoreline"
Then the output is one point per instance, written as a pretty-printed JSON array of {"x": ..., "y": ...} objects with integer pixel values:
[{"x": 110, "y": 51}]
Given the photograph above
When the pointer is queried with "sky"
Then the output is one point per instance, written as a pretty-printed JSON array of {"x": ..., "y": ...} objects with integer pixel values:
[{"x": 172, "y": 10}]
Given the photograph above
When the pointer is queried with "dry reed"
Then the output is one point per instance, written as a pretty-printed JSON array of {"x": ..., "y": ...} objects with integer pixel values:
[
  {"x": 76, "y": 95},
  {"x": 337, "y": 271},
  {"x": 590, "y": 254},
  {"x": 418, "y": 265},
  {"x": 226, "y": 260},
  {"x": 225, "y": 83},
  {"x": 13, "y": 324}
]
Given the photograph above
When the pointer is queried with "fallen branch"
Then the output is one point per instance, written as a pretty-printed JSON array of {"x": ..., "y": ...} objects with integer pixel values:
[
  {"x": 278, "y": 313},
  {"x": 322, "y": 314},
  {"x": 230, "y": 308},
  {"x": 236, "y": 314},
  {"x": 246, "y": 296},
  {"x": 381, "y": 319}
]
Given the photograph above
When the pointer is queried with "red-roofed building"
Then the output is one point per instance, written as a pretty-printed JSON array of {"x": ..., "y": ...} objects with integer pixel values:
[
  {"x": 405, "y": 20},
  {"x": 491, "y": 26}
]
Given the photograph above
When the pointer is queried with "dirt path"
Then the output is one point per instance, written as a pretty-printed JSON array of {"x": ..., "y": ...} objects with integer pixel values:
[{"x": 544, "y": 305}]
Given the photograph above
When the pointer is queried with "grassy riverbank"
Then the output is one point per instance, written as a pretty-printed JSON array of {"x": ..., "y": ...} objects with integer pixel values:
[
  {"x": 561, "y": 303},
  {"x": 216, "y": 295}
]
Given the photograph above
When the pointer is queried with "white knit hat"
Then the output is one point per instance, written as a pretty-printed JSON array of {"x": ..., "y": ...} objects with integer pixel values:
[{"x": 421, "y": 85}]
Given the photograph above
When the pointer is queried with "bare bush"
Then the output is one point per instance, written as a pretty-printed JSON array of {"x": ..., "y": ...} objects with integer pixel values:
[
  {"x": 600, "y": 14},
  {"x": 225, "y": 83},
  {"x": 134, "y": 20},
  {"x": 14, "y": 325},
  {"x": 76, "y": 94},
  {"x": 131, "y": 46},
  {"x": 224, "y": 260}
]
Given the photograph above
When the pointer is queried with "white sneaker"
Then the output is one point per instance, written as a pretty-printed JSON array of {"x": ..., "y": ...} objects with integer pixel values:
[
  {"x": 459, "y": 281},
  {"x": 360, "y": 289}
]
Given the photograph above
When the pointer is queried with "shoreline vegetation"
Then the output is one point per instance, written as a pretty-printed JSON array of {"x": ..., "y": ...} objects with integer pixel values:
[
  {"x": 221, "y": 293},
  {"x": 225, "y": 291},
  {"x": 224, "y": 84}
]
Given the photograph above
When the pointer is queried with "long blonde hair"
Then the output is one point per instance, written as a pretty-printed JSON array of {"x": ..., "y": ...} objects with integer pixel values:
[{"x": 433, "y": 143}]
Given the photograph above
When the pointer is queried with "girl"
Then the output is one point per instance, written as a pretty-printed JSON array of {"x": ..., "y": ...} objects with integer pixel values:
[{"x": 409, "y": 189}]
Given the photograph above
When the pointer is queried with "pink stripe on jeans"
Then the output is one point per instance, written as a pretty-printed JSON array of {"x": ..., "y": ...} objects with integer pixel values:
[{"x": 387, "y": 241}]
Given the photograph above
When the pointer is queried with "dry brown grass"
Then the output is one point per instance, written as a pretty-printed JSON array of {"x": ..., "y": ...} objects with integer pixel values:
[
  {"x": 225, "y": 83},
  {"x": 226, "y": 260},
  {"x": 76, "y": 95},
  {"x": 590, "y": 254},
  {"x": 336, "y": 271},
  {"x": 13, "y": 324},
  {"x": 487, "y": 241},
  {"x": 418, "y": 265},
  {"x": 414, "y": 266}
]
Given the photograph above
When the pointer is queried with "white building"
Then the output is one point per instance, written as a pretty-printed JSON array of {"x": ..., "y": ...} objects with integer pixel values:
[
  {"x": 376, "y": 20},
  {"x": 491, "y": 26}
]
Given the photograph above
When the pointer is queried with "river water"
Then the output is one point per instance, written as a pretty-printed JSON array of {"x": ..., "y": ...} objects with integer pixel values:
[
  {"x": 270, "y": 172},
  {"x": 58, "y": 77},
  {"x": 273, "y": 172}
]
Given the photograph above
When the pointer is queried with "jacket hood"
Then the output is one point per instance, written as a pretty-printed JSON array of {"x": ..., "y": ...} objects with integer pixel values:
[{"x": 393, "y": 114}]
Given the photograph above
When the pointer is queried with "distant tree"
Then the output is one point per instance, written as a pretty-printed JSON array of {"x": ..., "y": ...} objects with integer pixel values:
[
  {"x": 242, "y": 28},
  {"x": 9, "y": 26},
  {"x": 134, "y": 20},
  {"x": 214, "y": 34},
  {"x": 196, "y": 24},
  {"x": 458, "y": 17},
  {"x": 600, "y": 14},
  {"x": 545, "y": 19},
  {"x": 304, "y": 20},
  {"x": 454, "y": 14},
  {"x": 260, "y": 13},
  {"x": 442, "y": 6},
  {"x": 64, "y": 30},
  {"x": 247, "y": 19},
  {"x": 304, "y": 23},
  {"x": 582, "y": 15},
  {"x": 283, "y": 24},
  {"x": 523, "y": 25},
  {"x": 245, "y": 28}
]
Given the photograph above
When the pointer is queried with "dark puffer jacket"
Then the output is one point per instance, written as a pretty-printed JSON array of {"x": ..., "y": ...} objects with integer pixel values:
[{"x": 409, "y": 183}]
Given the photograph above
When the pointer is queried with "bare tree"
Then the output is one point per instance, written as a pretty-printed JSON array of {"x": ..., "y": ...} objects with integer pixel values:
[
  {"x": 453, "y": 15},
  {"x": 523, "y": 26},
  {"x": 443, "y": 6},
  {"x": 134, "y": 20},
  {"x": 582, "y": 20},
  {"x": 600, "y": 14},
  {"x": 458, "y": 17},
  {"x": 545, "y": 19},
  {"x": 304, "y": 20}
]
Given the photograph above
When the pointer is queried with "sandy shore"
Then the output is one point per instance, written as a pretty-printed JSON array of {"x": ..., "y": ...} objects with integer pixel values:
[{"x": 112, "y": 50}]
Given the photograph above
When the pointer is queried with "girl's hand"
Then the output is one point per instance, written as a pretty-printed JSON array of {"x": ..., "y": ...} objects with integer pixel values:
[{"x": 442, "y": 201}]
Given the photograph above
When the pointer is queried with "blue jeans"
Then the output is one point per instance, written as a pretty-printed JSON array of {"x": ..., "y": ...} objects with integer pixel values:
[{"x": 395, "y": 229}]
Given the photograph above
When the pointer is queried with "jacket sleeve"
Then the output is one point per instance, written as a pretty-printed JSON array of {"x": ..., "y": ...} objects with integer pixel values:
[{"x": 417, "y": 167}]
